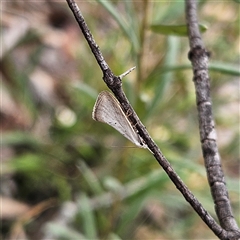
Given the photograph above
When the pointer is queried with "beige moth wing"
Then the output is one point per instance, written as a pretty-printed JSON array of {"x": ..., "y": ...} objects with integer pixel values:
[{"x": 108, "y": 110}]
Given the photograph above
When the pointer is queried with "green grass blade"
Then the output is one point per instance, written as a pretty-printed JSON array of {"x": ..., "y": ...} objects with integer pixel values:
[
  {"x": 90, "y": 178},
  {"x": 166, "y": 78},
  {"x": 88, "y": 218},
  {"x": 122, "y": 23},
  {"x": 177, "y": 30}
]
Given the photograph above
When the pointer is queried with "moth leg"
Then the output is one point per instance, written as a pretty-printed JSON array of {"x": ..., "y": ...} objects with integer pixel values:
[{"x": 129, "y": 113}]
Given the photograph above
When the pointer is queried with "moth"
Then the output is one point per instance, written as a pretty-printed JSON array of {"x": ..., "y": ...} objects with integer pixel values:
[{"x": 108, "y": 110}]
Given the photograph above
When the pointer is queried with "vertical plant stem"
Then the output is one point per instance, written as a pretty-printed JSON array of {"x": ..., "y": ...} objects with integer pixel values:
[
  {"x": 142, "y": 36},
  {"x": 199, "y": 58}
]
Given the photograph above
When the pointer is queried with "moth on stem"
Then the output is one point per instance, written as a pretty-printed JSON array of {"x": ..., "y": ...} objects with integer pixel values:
[{"x": 115, "y": 84}]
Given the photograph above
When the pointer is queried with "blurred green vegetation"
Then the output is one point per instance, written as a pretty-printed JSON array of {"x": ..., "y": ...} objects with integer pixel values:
[{"x": 51, "y": 148}]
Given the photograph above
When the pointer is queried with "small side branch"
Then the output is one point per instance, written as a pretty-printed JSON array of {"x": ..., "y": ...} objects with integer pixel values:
[{"x": 199, "y": 58}]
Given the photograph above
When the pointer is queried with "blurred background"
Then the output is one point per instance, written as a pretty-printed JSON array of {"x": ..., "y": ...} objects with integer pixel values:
[{"x": 65, "y": 176}]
